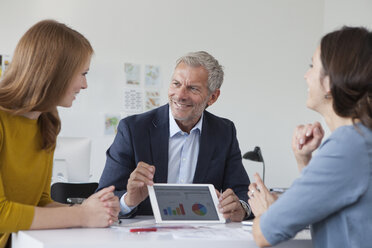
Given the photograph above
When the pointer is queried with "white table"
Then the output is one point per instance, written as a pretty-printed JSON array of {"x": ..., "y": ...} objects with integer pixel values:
[{"x": 211, "y": 236}]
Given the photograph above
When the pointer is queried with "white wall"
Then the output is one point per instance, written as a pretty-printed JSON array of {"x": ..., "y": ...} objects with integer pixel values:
[
  {"x": 345, "y": 12},
  {"x": 265, "y": 47}
]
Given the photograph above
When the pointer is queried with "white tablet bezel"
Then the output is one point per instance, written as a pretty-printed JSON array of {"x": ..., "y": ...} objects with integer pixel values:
[{"x": 156, "y": 210}]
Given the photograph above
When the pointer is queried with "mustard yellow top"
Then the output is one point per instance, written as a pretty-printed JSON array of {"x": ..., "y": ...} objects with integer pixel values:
[{"x": 25, "y": 173}]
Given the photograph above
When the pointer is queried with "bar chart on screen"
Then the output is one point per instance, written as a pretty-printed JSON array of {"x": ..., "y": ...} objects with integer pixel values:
[{"x": 177, "y": 211}]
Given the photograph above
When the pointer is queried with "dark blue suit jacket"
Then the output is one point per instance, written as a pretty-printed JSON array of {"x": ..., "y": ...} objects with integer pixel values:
[{"x": 145, "y": 137}]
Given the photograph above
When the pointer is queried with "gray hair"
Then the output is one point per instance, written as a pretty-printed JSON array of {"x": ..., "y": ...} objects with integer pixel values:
[{"x": 214, "y": 69}]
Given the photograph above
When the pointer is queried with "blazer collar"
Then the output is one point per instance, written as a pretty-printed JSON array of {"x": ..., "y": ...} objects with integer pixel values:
[
  {"x": 159, "y": 136},
  {"x": 206, "y": 149}
]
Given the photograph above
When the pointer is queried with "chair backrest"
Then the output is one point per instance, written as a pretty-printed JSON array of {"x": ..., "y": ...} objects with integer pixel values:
[{"x": 64, "y": 192}]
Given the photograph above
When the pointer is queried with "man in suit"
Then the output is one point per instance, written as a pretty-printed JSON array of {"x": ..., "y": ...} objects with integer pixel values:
[{"x": 180, "y": 142}]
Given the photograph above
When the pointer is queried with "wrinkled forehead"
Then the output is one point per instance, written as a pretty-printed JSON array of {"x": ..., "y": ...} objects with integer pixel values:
[{"x": 190, "y": 74}]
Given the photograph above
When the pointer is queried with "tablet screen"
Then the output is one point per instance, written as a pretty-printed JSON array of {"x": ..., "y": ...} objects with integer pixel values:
[{"x": 185, "y": 203}]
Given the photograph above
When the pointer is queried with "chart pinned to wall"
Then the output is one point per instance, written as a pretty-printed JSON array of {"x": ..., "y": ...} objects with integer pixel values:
[
  {"x": 133, "y": 101},
  {"x": 4, "y": 63},
  {"x": 152, "y": 76},
  {"x": 152, "y": 99},
  {"x": 111, "y": 123},
  {"x": 140, "y": 96},
  {"x": 133, "y": 74}
]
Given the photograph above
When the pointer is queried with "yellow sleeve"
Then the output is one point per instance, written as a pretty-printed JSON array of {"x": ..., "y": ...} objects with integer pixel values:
[
  {"x": 45, "y": 198},
  {"x": 14, "y": 216}
]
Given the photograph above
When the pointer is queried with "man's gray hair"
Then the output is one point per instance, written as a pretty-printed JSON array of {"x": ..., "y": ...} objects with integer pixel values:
[{"x": 214, "y": 69}]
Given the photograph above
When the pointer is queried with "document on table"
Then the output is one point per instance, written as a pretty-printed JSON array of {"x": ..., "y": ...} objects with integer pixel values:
[
  {"x": 189, "y": 231},
  {"x": 213, "y": 232}
]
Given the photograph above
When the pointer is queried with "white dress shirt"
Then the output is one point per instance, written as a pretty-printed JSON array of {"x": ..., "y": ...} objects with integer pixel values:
[{"x": 183, "y": 152}]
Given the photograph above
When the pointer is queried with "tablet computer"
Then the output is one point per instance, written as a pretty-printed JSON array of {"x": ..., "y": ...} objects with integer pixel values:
[{"x": 184, "y": 203}]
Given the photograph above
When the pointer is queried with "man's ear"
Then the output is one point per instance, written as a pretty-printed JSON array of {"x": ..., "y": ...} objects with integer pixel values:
[{"x": 213, "y": 97}]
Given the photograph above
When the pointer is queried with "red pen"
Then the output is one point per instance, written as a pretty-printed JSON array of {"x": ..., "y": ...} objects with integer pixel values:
[{"x": 150, "y": 229}]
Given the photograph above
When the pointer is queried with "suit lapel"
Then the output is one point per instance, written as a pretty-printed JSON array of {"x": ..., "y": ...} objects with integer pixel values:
[
  {"x": 159, "y": 136},
  {"x": 206, "y": 149}
]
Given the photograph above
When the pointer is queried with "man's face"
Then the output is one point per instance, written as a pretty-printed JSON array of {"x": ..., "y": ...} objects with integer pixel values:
[{"x": 189, "y": 95}]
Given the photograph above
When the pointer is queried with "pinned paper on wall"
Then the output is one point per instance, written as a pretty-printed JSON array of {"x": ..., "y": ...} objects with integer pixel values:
[
  {"x": 4, "y": 63},
  {"x": 132, "y": 100},
  {"x": 133, "y": 74},
  {"x": 111, "y": 124},
  {"x": 152, "y": 75},
  {"x": 141, "y": 96},
  {"x": 152, "y": 99}
]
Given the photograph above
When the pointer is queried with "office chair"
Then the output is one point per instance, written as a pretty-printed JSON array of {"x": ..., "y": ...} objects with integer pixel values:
[{"x": 72, "y": 193}]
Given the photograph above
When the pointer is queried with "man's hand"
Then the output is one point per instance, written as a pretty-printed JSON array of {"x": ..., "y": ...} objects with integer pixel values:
[
  {"x": 306, "y": 138},
  {"x": 137, "y": 184},
  {"x": 230, "y": 206}
]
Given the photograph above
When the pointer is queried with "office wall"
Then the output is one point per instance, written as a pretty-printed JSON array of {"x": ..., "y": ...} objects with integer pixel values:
[
  {"x": 265, "y": 47},
  {"x": 338, "y": 13}
]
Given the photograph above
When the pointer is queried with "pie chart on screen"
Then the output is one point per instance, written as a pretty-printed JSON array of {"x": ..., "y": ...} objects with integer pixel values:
[{"x": 199, "y": 209}]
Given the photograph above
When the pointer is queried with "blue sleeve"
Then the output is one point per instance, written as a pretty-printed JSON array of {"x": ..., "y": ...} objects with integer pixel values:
[
  {"x": 336, "y": 177},
  {"x": 119, "y": 161}
]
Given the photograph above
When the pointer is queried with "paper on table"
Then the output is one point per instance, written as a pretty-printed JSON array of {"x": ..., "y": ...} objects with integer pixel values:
[
  {"x": 212, "y": 232},
  {"x": 188, "y": 231}
]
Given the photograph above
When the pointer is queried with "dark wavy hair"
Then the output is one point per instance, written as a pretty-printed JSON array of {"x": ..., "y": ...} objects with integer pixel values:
[{"x": 346, "y": 56}]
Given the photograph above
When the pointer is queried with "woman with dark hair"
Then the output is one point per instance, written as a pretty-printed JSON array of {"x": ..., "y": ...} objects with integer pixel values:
[
  {"x": 48, "y": 70},
  {"x": 334, "y": 192}
]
